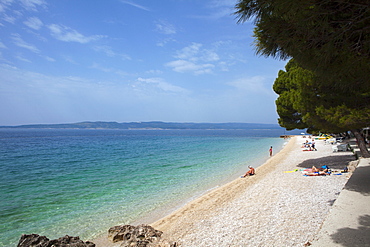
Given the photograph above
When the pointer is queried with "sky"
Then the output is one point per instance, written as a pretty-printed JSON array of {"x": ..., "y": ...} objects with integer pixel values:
[{"x": 67, "y": 61}]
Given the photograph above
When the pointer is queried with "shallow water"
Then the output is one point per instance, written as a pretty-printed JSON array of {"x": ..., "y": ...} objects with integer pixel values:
[{"x": 81, "y": 182}]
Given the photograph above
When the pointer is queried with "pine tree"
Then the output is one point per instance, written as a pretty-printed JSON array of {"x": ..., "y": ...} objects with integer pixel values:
[{"x": 330, "y": 39}]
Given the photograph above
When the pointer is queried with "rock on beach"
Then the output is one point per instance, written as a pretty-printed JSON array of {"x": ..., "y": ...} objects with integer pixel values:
[{"x": 35, "y": 240}]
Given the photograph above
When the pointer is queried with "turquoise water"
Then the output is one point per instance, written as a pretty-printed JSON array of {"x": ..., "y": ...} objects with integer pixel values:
[{"x": 82, "y": 182}]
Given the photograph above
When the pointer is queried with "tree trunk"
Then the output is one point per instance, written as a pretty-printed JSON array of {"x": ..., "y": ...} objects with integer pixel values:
[{"x": 361, "y": 143}]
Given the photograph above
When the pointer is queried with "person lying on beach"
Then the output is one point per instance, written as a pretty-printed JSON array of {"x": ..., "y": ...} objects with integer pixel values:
[
  {"x": 251, "y": 172},
  {"x": 324, "y": 170},
  {"x": 316, "y": 174}
]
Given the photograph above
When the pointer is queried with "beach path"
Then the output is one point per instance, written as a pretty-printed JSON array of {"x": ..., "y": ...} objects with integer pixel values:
[{"x": 348, "y": 223}]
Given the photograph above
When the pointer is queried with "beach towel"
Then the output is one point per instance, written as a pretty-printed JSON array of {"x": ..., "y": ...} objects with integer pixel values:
[{"x": 291, "y": 171}]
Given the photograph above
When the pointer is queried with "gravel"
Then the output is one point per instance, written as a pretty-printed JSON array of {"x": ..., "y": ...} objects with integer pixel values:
[{"x": 272, "y": 208}]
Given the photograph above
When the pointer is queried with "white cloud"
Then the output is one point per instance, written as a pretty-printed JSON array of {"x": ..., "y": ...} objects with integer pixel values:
[
  {"x": 67, "y": 34},
  {"x": 108, "y": 51},
  {"x": 21, "y": 58},
  {"x": 223, "y": 66},
  {"x": 154, "y": 71},
  {"x": 10, "y": 19},
  {"x": 252, "y": 84},
  {"x": 4, "y": 4},
  {"x": 209, "y": 56},
  {"x": 2, "y": 46},
  {"x": 50, "y": 59},
  {"x": 69, "y": 59},
  {"x": 135, "y": 5},
  {"x": 194, "y": 59},
  {"x": 21, "y": 43},
  {"x": 33, "y": 4},
  {"x": 225, "y": 12},
  {"x": 183, "y": 66},
  {"x": 194, "y": 52},
  {"x": 163, "y": 42},
  {"x": 165, "y": 27},
  {"x": 99, "y": 67},
  {"x": 162, "y": 85},
  {"x": 9, "y": 11},
  {"x": 218, "y": 9},
  {"x": 34, "y": 23},
  {"x": 189, "y": 52},
  {"x": 42, "y": 98}
]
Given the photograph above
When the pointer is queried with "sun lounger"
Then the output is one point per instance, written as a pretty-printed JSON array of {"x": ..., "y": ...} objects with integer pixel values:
[{"x": 340, "y": 148}]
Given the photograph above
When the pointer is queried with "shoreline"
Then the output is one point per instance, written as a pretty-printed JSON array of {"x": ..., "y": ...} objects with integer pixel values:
[
  {"x": 271, "y": 208},
  {"x": 203, "y": 199},
  {"x": 163, "y": 212},
  {"x": 116, "y": 179},
  {"x": 204, "y": 207}
]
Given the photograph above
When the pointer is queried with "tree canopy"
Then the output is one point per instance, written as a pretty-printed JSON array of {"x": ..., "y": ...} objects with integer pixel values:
[
  {"x": 328, "y": 37},
  {"x": 304, "y": 103},
  {"x": 324, "y": 29},
  {"x": 327, "y": 86}
]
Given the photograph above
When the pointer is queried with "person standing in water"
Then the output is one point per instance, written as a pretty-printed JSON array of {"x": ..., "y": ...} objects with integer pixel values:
[{"x": 270, "y": 150}]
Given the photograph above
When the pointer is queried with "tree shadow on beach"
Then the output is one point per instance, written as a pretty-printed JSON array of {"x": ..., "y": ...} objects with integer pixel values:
[
  {"x": 352, "y": 237},
  {"x": 360, "y": 181},
  {"x": 334, "y": 162}
]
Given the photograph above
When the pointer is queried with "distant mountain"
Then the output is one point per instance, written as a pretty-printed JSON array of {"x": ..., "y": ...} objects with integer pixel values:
[{"x": 148, "y": 125}]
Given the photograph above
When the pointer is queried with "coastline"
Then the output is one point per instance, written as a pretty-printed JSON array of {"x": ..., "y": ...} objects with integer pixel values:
[
  {"x": 270, "y": 208},
  {"x": 202, "y": 201},
  {"x": 220, "y": 196},
  {"x": 108, "y": 178},
  {"x": 180, "y": 223}
]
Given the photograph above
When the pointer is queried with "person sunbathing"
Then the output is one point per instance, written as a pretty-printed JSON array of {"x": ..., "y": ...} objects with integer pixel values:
[
  {"x": 315, "y": 169},
  {"x": 316, "y": 174},
  {"x": 324, "y": 170},
  {"x": 251, "y": 172}
]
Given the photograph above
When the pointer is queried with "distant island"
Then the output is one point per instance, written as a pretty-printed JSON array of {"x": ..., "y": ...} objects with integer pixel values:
[{"x": 148, "y": 125}]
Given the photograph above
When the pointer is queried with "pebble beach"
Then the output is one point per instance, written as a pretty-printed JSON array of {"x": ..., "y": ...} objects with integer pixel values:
[
  {"x": 279, "y": 206},
  {"x": 276, "y": 207}
]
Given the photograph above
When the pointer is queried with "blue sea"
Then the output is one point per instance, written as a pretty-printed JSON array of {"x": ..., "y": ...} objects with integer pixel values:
[{"x": 76, "y": 182}]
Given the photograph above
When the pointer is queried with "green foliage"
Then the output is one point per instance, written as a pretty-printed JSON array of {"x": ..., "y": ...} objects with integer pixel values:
[
  {"x": 325, "y": 25},
  {"x": 305, "y": 102},
  {"x": 327, "y": 86},
  {"x": 287, "y": 103},
  {"x": 328, "y": 37}
]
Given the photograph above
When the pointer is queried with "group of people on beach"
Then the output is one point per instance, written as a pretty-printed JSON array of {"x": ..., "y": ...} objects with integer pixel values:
[
  {"x": 323, "y": 171},
  {"x": 314, "y": 171},
  {"x": 309, "y": 146}
]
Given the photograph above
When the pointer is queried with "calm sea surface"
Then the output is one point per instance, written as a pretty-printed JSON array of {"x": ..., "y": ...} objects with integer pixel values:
[{"x": 82, "y": 182}]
